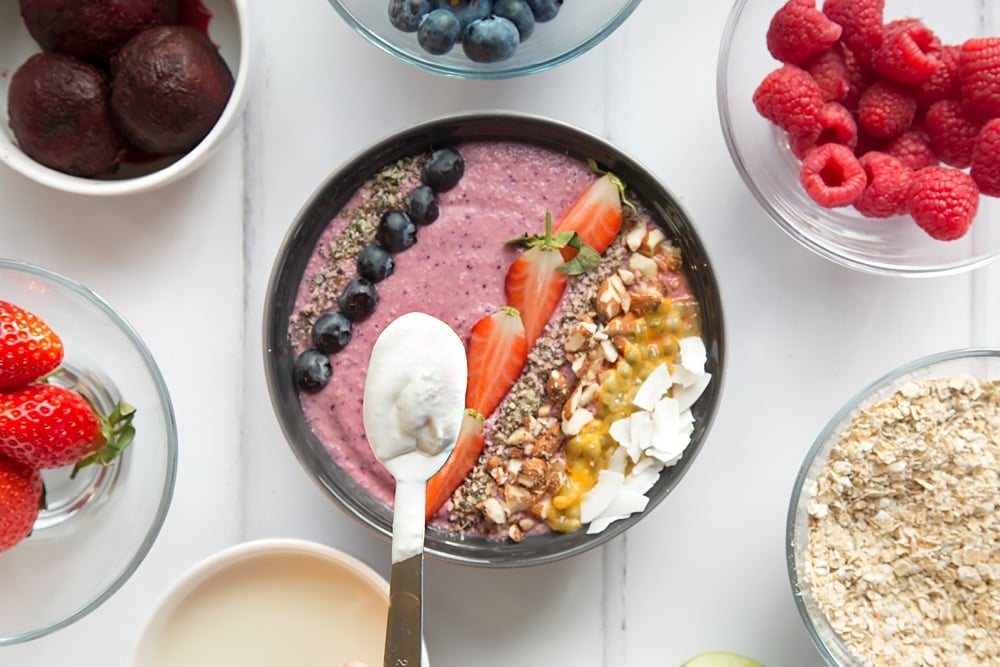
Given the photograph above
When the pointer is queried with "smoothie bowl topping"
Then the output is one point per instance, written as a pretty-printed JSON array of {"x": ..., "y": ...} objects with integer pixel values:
[{"x": 583, "y": 333}]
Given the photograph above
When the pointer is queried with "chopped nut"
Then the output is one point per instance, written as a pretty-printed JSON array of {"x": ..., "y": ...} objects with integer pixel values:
[
  {"x": 517, "y": 498},
  {"x": 526, "y": 524},
  {"x": 532, "y": 473},
  {"x": 627, "y": 276},
  {"x": 577, "y": 421},
  {"x": 515, "y": 533},
  {"x": 634, "y": 236},
  {"x": 645, "y": 302},
  {"x": 539, "y": 510},
  {"x": 557, "y": 387},
  {"x": 623, "y": 324},
  {"x": 644, "y": 265},
  {"x": 610, "y": 353},
  {"x": 493, "y": 510},
  {"x": 609, "y": 300},
  {"x": 492, "y": 462},
  {"x": 519, "y": 437},
  {"x": 549, "y": 442},
  {"x": 654, "y": 237}
]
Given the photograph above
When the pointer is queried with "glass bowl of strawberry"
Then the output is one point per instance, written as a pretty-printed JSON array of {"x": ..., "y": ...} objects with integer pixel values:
[
  {"x": 584, "y": 297},
  {"x": 484, "y": 39},
  {"x": 88, "y": 451},
  {"x": 869, "y": 130}
]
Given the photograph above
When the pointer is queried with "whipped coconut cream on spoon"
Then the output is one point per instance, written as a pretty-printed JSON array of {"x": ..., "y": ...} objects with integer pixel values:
[{"x": 413, "y": 404}]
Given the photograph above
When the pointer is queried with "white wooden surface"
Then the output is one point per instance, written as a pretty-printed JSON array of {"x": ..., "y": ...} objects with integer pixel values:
[{"x": 188, "y": 265}]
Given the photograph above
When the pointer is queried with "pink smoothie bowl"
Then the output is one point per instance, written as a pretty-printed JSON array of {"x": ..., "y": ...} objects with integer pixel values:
[{"x": 325, "y": 204}]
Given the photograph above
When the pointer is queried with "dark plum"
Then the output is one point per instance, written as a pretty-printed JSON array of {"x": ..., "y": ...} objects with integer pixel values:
[
  {"x": 358, "y": 300},
  {"x": 331, "y": 332},
  {"x": 169, "y": 85},
  {"x": 312, "y": 370},
  {"x": 490, "y": 40},
  {"x": 422, "y": 205},
  {"x": 443, "y": 169},
  {"x": 375, "y": 263},
  {"x": 438, "y": 32},
  {"x": 396, "y": 232},
  {"x": 93, "y": 30},
  {"x": 61, "y": 115}
]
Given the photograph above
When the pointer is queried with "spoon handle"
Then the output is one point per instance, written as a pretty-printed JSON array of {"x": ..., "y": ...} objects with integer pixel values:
[{"x": 403, "y": 627}]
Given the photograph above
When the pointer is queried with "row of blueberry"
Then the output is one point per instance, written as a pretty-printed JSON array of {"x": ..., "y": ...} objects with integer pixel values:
[
  {"x": 397, "y": 231},
  {"x": 489, "y": 30}
]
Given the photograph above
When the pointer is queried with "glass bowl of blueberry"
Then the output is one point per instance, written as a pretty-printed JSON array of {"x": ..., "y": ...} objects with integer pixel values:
[{"x": 484, "y": 39}]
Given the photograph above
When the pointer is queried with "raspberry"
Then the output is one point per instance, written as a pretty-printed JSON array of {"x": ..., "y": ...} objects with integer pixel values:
[
  {"x": 986, "y": 159},
  {"x": 943, "y": 83},
  {"x": 829, "y": 71},
  {"x": 837, "y": 127},
  {"x": 952, "y": 132},
  {"x": 943, "y": 201},
  {"x": 789, "y": 98},
  {"x": 861, "y": 21},
  {"x": 799, "y": 31},
  {"x": 888, "y": 181},
  {"x": 886, "y": 109},
  {"x": 913, "y": 149},
  {"x": 908, "y": 53},
  {"x": 859, "y": 77},
  {"x": 979, "y": 76},
  {"x": 832, "y": 176}
]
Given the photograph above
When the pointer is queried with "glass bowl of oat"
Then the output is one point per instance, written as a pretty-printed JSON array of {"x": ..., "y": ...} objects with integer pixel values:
[
  {"x": 421, "y": 221},
  {"x": 892, "y": 528}
]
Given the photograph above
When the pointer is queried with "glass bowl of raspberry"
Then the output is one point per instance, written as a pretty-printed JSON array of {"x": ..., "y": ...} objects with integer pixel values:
[
  {"x": 88, "y": 451},
  {"x": 891, "y": 518},
  {"x": 484, "y": 39},
  {"x": 868, "y": 135}
]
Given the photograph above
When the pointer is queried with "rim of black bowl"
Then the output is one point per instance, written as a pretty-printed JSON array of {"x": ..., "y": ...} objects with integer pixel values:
[
  {"x": 170, "y": 422},
  {"x": 486, "y": 71},
  {"x": 328, "y": 199}
]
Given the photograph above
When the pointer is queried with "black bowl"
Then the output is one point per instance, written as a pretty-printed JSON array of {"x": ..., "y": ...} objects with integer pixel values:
[{"x": 327, "y": 201}]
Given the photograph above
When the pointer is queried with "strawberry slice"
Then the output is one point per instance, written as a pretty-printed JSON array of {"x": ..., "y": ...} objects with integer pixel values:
[
  {"x": 534, "y": 286},
  {"x": 596, "y": 215},
  {"x": 469, "y": 446},
  {"x": 498, "y": 349}
]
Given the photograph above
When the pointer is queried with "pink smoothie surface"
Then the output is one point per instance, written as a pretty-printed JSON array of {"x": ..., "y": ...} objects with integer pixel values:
[{"x": 455, "y": 272}]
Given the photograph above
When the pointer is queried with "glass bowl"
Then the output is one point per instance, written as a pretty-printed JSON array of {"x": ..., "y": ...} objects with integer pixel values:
[
  {"x": 978, "y": 363},
  {"x": 576, "y": 28},
  {"x": 227, "y": 27},
  {"x": 760, "y": 152},
  {"x": 99, "y": 526},
  {"x": 325, "y": 204}
]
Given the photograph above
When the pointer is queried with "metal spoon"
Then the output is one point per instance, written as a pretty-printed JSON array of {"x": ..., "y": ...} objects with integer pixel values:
[{"x": 413, "y": 404}]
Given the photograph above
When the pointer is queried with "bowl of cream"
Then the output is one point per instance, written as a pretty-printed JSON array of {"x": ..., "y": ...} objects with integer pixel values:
[{"x": 268, "y": 602}]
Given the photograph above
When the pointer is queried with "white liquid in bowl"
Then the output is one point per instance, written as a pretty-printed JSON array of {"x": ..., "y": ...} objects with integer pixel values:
[{"x": 270, "y": 608}]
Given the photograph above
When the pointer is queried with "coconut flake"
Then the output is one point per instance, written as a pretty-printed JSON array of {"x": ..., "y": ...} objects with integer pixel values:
[
  {"x": 693, "y": 354},
  {"x": 656, "y": 384},
  {"x": 687, "y": 395},
  {"x": 601, "y": 495}
]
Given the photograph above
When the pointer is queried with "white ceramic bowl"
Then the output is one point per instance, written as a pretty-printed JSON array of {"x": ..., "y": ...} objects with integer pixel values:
[
  {"x": 894, "y": 246},
  {"x": 269, "y": 602},
  {"x": 228, "y": 29}
]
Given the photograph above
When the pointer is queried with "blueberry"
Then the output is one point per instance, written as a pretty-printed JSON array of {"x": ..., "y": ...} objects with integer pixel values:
[
  {"x": 544, "y": 10},
  {"x": 312, "y": 370},
  {"x": 466, "y": 11},
  {"x": 438, "y": 32},
  {"x": 331, "y": 332},
  {"x": 396, "y": 232},
  {"x": 405, "y": 15},
  {"x": 358, "y": 300},
  {"x": 444, "y": 168},
  {"x": 517, "y": 12},
  {"x": 375, "y": 263},
  {"x": 422, "y": 205},
  {"x": 490, "y": 40}
]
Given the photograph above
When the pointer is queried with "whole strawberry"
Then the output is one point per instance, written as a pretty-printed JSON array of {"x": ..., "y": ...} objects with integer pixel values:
[
  {"x": 28, "y": 347},
  {"x": 50, "y": 426},
  {"x": 20, "y": 500}
]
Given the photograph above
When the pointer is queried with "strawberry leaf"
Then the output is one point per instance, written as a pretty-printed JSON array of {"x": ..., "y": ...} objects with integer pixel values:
[
  {"x": 586, "y": 257},
  {"x": 118, "y": 433}
]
